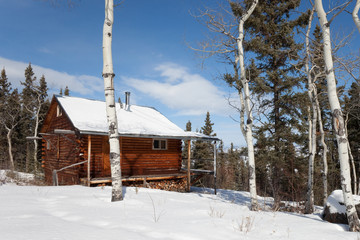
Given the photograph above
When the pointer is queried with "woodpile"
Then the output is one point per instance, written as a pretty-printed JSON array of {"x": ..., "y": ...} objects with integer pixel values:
[{"x": 176, "y": 185}]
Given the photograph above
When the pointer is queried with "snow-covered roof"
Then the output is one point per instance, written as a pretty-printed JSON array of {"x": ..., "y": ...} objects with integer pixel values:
[{"x": 89, "y": 116}]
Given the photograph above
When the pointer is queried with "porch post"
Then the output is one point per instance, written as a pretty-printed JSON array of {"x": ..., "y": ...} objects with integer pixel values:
[
  {"x": 89, "y": 158},
  {"x": 188, "y": 165},
  {"x": 215, "y": 151}
]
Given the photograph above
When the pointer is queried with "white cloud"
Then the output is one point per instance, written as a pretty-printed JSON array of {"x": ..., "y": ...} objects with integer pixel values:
[
  {"x": 82, "y": 84},
  {"x": 188, "y": 94}
]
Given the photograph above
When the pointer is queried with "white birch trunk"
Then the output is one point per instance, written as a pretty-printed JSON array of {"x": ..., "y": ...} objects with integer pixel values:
[
  {"x": 325, "y": 148},
  {"x": 108, "y": 75},
  {"x": 338, "y": 121},
  {"x": 36, "y": 129},
  {"x": 353, "y": 169},
  {"x": 351, "y": 158},
  {"x": 309, "y": 206},
  {"x": 11, "y": 157},
  {"x": 356, "y": 16},
  {"x": 245, "y": 90}
]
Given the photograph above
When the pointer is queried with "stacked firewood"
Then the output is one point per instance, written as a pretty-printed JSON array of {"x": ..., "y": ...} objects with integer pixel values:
[{"x": 176, "y": 185}]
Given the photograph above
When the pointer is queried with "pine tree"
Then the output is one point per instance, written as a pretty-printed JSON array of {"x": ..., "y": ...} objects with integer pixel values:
[
  {"x": 28, "y": 101},
  {"x": 185, "y": 149},
  {"x": 10, "y": 120},
  {"x": 272, "y": 40},
  {"x": 35, "y": 104},
  {"x": 202, "y": 150},
  {"x": 352, "y": 106},
  {"x": 5, "y": 89}
]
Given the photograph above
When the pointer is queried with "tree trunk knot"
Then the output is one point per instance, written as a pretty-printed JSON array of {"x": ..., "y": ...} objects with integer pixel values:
[
  {"x": 338, "y": 122},
  {"x": 114, "y": 155},
  {"x": 112, "y": 128},
  {"x": 105, "y": 75}
]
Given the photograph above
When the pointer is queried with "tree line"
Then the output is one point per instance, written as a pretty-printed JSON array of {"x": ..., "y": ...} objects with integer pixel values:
[
  {"x": 22, "y": 113},
  {"x": 290, "y": 74}
]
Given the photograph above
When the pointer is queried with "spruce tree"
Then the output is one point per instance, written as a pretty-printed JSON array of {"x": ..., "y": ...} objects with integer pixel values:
[
  {"x": 10, "y": 120},
  {"x": 185, "y": 149},
  {"x": 202, "y": 150},
  {"x": 353, "y": 125},
  {"x": 28, "y": 101},
  {"x": 5, "y": 89},
  {"x": 272, "y": 39},
  {"x": 35, "y": 105}
]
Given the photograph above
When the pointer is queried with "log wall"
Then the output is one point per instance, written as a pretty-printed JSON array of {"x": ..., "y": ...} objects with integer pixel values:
[
  {"x": 137, "y": 157},
  {"x": 60, "y": 150},
  {"x": 137, "y": 154}
]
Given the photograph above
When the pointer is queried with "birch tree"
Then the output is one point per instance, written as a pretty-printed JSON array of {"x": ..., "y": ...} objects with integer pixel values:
[
  {"x": 108, "y": 75},
  {"x": 338, "y": 120},
  {"x": 230, "y": 48},
  {"x": 245, "y": 102},
  {"x": 309, "y": 206},
  {"x": 33, "y": 102},
  {"x": 356, "y": 16},
  {"x": 10, "y": 113}
]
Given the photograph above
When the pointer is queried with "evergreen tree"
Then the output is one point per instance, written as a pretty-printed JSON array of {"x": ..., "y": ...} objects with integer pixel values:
[
  {"x": 28, "y": 102},
  {"x": 352, "y": 106},
  {"x": 185, "y": 149},
  {"x": 203, "y": 151},
  {"x": 61, "y": 92},
  {"x": 5, "y": 88},
  {"x": 35, "y": 105},
  {"x": 207, "y": 128},
  {"x": 10, "y": 120},
  {"x": 221, "y": 167},
  {"x": 272, "y": 40}
]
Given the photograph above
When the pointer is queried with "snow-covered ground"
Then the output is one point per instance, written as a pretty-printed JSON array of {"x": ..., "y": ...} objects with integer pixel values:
[{"x": 77, "y": 212}]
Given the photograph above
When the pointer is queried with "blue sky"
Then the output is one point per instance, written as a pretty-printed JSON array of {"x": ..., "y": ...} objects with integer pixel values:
[{"x": 150, "y": 55}]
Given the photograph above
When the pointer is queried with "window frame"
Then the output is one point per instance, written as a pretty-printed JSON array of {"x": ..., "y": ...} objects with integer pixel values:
[{"x": 160, "y": 141}]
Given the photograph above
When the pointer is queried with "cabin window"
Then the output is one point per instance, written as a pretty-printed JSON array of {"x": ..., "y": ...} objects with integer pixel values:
[
  {"x": 58, "y": 111},
  {"x": 159, "y": 144},
  {"x": 48, "y": 146}
]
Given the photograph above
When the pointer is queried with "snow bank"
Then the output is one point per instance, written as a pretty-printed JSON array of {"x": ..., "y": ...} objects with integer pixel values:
[
  {"x": 7, "y": 176},
  {"x": 76, "y": 212},
  {"x": 335, "y": 202}
]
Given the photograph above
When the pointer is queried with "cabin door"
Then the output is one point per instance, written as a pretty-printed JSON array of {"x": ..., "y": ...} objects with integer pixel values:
[{"x": 106, "y": 158}]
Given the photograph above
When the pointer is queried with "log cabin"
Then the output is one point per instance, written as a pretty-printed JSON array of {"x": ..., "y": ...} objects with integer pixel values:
[{"x": 75, "y": 146}]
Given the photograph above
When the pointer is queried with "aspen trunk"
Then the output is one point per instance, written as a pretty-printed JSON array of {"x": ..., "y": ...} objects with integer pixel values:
[
  {"x": 11, "y": 157},
  {"x": 36, "y": 129},
  {"x": 309, "y": 206},
  {"x": 108, "y": 75},
  {"x": 338, "y": 121},
  {"x": 247, "y": 104},
  {"x": 356, "y": 16},
  {"x": 325, "y": 149},
  {"x": 354, "y": 175}
]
